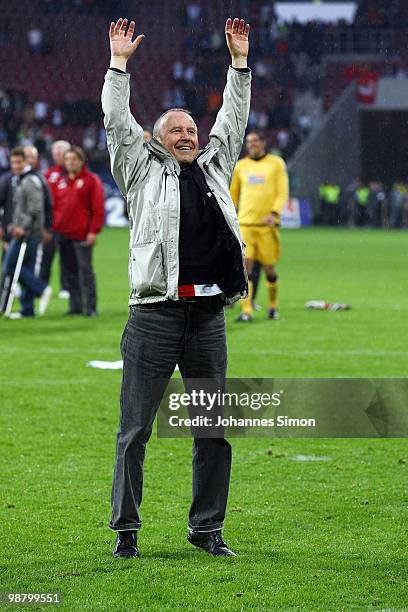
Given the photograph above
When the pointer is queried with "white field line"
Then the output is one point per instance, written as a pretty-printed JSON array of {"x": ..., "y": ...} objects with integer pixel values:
[
  {"x": 318, "y": 352},
  {"x": 10, "y": 349},
  {"x": 44, "y": 382}
]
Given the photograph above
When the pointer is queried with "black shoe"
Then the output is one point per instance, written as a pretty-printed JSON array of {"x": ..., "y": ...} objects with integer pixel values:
[
  {"x": 211, "y": 542},
  {"x": 126, "y": 545},
  {"x": 91, "y": 313},
  {"x": 273, "y": 314}
]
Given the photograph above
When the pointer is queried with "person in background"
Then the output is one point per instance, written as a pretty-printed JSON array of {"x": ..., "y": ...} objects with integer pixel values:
[
  {"x": 260, "y": 189},
  {"x": 58, "y": 149},
  {"x": 27, "y": 225},
  {"x": 31, "y": 155},
  {"x": 78, "y": 217},
  {"x": 377, "y": 205},
  {"x": 398, "y": 202},
  {"x": 330, "y": 203},
  {"x": 8, "y": 183},
  {"x": 360, "y": 201},
  {"x": 147, "y": 135},
  {"x": 52, "y": 175}
]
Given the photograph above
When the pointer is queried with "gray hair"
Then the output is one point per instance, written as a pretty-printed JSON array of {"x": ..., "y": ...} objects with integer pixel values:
[
  {"x": 30, "y": 149},
  {"x": 61, "y": 144},
  {"x": 158, "y": 126}
]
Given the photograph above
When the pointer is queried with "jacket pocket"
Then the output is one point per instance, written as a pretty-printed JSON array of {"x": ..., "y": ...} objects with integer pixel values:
[{"x": 147, "y": 277}]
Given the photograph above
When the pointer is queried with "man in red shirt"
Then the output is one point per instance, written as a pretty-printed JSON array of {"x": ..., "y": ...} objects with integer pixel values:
[
  {"x": 78, "y": 217},
  {"x": 52, "y": 175},
  {"x": 58, "y": 149}
]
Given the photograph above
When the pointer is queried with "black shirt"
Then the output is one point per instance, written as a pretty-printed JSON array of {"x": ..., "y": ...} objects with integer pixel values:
[{"x": 199, "y": 236}]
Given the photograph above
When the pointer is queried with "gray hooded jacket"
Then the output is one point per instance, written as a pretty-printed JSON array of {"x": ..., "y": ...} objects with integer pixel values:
[
  {"x": 29, "y": 205},
  {"x": 147, "y": 176}
]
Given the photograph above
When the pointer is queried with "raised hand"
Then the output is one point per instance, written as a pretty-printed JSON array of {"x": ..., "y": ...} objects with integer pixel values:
[
  {"x": 121, "y": 43},
  {"x": 237, "y": 35}
]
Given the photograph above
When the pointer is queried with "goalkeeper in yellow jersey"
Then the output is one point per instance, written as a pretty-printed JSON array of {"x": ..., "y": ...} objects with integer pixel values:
[{"x": 260, "y": 189}]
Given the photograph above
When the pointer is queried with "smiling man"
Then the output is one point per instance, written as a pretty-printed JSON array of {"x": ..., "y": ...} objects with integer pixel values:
[{"x": 186, "y": 263}]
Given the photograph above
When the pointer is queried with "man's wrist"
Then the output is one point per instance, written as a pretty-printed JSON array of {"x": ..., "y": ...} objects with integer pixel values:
[
  {"x": 118, "y": 62},
  {"x": 239, "y": 62}
]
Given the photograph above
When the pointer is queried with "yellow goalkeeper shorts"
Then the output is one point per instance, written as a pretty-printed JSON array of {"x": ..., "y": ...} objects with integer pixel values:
[{"x": 262, "y": 243}]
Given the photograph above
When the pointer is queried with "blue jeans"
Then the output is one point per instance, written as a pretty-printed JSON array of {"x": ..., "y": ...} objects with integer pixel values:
[
  {"x": 156, "y": 338},
  {"x": 31, "y": 285}
]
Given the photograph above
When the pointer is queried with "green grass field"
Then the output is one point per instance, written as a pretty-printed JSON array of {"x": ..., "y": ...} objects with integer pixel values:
[{"x": 327, "y": 535}]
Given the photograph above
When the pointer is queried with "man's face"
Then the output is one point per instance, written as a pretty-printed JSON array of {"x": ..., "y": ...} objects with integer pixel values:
[
  {"x": 31, "y": 157},
  {"x": 255, "y": 146},
  {"x": 73, "y": 163},
  {"x": 58, "y": 154},
  {"x": 17, "y": 164},
  {"x": 179, "y": 136}
]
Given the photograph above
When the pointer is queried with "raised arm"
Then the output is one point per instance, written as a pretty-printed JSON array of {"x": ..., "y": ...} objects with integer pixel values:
[
  {"x": 230, "y": 125},
  {"x": 129, "y": 158}
]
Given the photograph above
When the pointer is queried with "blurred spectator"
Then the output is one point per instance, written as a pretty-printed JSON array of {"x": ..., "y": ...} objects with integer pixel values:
[
  {"x": 189, "y": 73},
  {"x": 90, "y": 137},
  {"x": 178, "y": 69},
  {"x": 214, "y": 101},
  {"x": 283, "y": 139},
  {"x": 360, "y": 201},
  {"x": 398, "y": 203},
  {"x": 258, "y": 119},
  {"x": 8, "y": 183},
  {"x": 377, "y": 205},
  {"x": 193, "y": 11},
  {"x": 330, "y": 197},
  {"x": 261, "y": 74},
  {"x": 40, "y": 110},
  {"x": 52, "y": 176},
  {"x": 4, "y": 153},
  {"x": 305, "y": 123},
  {"x": 166, "y": 100},
  {"x": 31, "y": 155},
  {"x": 57, "y": 118},
  {"x": 78, "y": 218},
  {"x": 58, "y": 149},
  {"x": 27, "y": 225},
  {"x": 35, "y": 39},
  {"x": 216, "y": 40},
  {"x": 147, "y": 134}
]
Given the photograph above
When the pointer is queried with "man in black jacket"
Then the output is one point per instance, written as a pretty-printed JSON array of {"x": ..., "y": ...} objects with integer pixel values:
[
  {"x": 27, "y": 224},
  {"x": 8, "y": 183}
]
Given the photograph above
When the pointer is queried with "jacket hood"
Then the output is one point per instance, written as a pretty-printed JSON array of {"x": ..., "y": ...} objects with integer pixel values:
[{"x": 160, "y": 151}]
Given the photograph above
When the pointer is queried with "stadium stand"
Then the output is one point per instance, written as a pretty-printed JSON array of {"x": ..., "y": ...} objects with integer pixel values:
[{"x": 299, "y": 70}]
